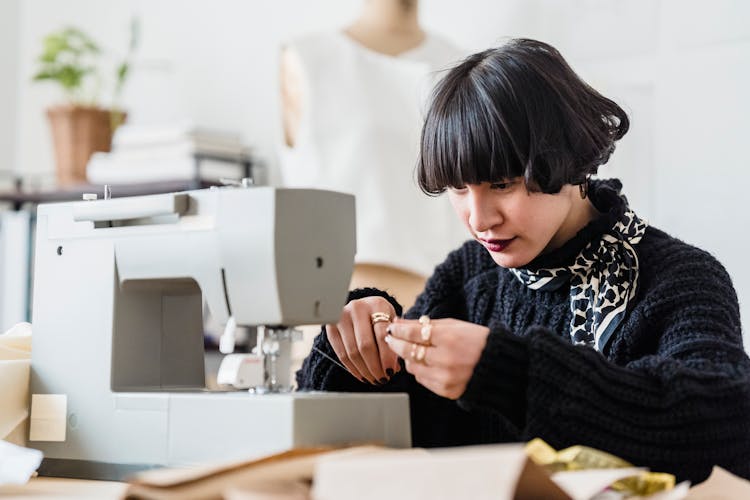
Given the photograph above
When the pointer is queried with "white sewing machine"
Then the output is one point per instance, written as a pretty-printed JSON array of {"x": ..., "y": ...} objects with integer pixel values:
[{"x": 118, "y": 382}]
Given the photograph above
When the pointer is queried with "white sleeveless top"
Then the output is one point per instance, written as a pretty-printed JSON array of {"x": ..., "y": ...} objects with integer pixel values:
[{"x": 359, "y": 132}]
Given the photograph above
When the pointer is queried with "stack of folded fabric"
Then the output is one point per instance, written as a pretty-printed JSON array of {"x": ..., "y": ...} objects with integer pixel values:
[
  {"x": 167, "y": 153},
  {"x": 15, "y": 366}
]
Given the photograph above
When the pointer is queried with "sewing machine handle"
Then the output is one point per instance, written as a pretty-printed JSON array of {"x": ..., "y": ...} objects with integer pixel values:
[{"x": 131, "y": 208}]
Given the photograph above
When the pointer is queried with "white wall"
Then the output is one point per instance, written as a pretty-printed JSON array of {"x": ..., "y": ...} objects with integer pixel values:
[
  {"x": 681, "y": 67},
  {"x": 9, "y": 37}
]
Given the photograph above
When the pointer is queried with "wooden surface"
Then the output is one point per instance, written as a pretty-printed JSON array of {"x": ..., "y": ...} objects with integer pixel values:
[{"x": 63, "y": 489}]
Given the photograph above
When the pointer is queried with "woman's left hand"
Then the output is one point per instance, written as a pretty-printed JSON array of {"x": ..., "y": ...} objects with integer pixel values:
[{"x": 440, "y": 353}]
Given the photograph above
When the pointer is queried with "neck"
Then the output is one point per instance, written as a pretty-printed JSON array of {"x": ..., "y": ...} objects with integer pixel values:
[
  {"x": 393, "y": 16},
  {"x": 581, "y": 213}
]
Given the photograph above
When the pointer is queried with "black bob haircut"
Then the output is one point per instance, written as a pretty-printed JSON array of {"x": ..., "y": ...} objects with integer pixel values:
[{"x": 518, "y": 110}]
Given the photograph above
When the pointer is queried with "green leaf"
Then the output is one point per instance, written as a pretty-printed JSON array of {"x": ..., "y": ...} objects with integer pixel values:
[
  {"x": 53, "y": 45},
  {"x": 70, "y": 77},
  {"x": 47, "y": 58},
  {"x": 79, "y": 42},
  {"x": 122, "y": 73},
  {"x": 44, "y": 75}
]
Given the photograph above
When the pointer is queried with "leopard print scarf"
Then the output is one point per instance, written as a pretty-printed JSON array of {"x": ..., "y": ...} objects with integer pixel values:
[{"x": 603, "y": 278}]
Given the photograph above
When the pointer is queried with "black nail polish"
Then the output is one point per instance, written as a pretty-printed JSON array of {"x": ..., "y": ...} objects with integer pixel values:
[
  {"x": 389, "y": 372},
  {"x": 383, "y": 380}
]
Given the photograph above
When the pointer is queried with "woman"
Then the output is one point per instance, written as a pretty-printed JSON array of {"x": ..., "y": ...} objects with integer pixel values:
[{"x": 566, "y": 316}]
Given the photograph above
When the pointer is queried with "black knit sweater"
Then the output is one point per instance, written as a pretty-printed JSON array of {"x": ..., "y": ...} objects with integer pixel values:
[{"x": 671, "y": 391}]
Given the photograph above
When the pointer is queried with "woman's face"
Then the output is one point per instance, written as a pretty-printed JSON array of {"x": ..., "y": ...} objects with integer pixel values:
[{"x": 515, "y": 225}]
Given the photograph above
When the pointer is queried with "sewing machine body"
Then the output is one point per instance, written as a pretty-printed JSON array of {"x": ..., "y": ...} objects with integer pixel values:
[{"x": 118, "y": 380}]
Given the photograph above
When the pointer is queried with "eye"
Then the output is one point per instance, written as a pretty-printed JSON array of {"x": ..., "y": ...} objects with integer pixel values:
[
  {"x": 458, "y": 189},
  {"x": 502, "y": 186}
]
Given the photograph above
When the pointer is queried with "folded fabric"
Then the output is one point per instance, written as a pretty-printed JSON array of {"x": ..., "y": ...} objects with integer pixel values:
[
  {"x": 16, "y": 342},
  {"x": 15, "y": 368}
]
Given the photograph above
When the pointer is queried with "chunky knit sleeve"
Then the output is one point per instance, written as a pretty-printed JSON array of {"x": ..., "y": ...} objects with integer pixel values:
[{"x": 681, "y": 407}]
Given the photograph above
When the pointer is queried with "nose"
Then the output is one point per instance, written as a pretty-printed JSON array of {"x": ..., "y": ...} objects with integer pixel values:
[{"x": 483, "y": 213}]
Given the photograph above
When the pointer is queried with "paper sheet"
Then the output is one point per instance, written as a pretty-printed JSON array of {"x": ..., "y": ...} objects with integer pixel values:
[
  {"x": 584, "y": 484},
  {"x": 478, "y": 472},
  {"x": 17, "y": 464}
]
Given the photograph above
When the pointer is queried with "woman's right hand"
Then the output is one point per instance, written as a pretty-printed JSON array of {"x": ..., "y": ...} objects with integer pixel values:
[{"x": 360, "y": 345}]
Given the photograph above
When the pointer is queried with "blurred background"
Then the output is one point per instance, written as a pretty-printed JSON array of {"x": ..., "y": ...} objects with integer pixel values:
[{"x": 681, "y": 68}]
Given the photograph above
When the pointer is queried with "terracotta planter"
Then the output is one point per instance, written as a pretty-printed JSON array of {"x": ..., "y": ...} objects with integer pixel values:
[{"x": 78, "y": 131}]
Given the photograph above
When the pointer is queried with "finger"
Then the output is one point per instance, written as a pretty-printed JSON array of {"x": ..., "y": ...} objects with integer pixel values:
[
  {"x": 434, "y": 379},
  {"x": 415, "y": 332},
  {"x": 409, "y": 350},
  {"x": 334, "y": 338},
  {"x": 388, "y": 358},
  {"x": 349, "y": 338},
  {"x": 422, "y": 373},
  {"x": 367, "y": 341},
  {"x": 426, "y": 375}
]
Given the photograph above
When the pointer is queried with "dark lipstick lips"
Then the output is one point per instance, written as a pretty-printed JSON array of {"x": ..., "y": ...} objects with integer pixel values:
[{"x": 496, "y": 245}]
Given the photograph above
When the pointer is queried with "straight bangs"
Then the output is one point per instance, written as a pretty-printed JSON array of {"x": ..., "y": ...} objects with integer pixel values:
[{"x": 461, "y": 140}]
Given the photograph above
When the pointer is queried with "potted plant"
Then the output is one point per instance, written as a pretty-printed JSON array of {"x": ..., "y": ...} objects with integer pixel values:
[{"x": 81, "y": 126}]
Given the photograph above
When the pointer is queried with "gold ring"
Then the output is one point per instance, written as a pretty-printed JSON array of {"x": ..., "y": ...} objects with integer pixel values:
[
  {"x": 426, "y": 333},
  {"x": 380, "y": 317},
  {"x": 419, "y": 354}
]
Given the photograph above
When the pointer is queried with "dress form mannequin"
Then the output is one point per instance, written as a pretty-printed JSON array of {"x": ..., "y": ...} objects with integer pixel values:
[{"x": 389, "y": 28}]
